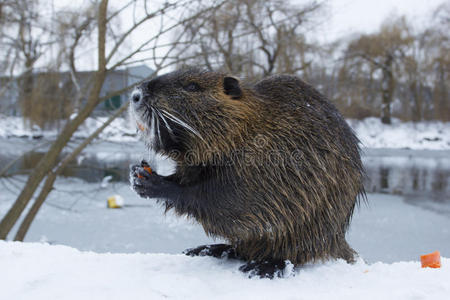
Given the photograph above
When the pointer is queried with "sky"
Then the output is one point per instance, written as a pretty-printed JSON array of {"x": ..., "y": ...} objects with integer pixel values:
[
  {"x": 348, "y": 16},
  {"x": 341, "y": 19}
]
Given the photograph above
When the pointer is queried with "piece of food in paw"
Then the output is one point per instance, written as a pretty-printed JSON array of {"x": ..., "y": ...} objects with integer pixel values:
[{"x": 146, "y": 168}]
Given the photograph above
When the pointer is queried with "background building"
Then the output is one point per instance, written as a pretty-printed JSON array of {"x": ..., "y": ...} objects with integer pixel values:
[{"x": 44, "y": 85}]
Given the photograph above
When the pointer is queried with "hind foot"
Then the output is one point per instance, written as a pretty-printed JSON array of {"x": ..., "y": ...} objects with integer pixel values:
[
  {"x": 216, "y": 250},
  {"x": 265, "y": 269},
  {"x": 347, "y": 253}
]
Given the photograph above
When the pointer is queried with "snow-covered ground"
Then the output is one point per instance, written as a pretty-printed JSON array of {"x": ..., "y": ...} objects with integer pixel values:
[
  {"x": 372, "y": 133},
  {"x": 75, "y": 214},
  {"x": 41, "y": 271}
]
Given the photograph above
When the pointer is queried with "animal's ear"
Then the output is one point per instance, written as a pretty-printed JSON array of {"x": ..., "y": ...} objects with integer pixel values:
[{"x": 231, "y": 87}]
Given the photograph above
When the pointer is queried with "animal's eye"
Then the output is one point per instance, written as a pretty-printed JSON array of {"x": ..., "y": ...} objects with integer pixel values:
[{"x": 192, "y": 87}]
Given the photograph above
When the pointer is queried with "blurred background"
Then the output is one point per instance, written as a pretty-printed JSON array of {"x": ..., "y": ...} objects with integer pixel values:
[{"x": 67, "y": 69}]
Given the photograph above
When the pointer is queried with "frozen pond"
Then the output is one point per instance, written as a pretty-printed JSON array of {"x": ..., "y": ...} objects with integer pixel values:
[{"x": 408, "y": 213}]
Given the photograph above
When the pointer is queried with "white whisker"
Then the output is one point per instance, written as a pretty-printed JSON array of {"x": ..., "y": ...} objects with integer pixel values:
[
  {"x": 157, "y": 125},
  {"x": 165, "y": 121},
  {"x": 181, "y": 123},
  {"x": 152, "y": 131}
]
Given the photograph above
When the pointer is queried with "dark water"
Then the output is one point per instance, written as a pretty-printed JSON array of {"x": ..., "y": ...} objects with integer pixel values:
[
  {"x": 414, "y": 177},
  {"x": 420, "y": 175},
  {"x": 90, "y": 169}
]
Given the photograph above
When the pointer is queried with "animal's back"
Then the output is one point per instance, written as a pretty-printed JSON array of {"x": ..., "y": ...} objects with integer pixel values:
[
  {"x": 304, "y": 112},
  {"x": 319, "y": 167}
]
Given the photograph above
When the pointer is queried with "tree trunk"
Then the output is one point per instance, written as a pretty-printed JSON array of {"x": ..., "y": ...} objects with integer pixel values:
[
  {"x": 26, "y": 223},
  {"x": 26, "y": 83},
  {"x": 51, "y": 177},
  {"x": 441, "y": 95},
  {"x": 417, "y": 112},
  {"x": 388, "y": 85},
  {"x": 50, "y": 159}
]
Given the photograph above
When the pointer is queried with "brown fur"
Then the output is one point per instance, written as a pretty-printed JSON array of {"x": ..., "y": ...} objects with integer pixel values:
[{"x": 277, "y": 171}]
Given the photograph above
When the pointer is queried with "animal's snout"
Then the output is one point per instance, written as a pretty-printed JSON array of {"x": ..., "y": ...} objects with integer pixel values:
[{"x": 136, "y": 97}]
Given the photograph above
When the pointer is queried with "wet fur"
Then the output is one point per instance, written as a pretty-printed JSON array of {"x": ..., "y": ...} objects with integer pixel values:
[{"x": 297, "y": 210}]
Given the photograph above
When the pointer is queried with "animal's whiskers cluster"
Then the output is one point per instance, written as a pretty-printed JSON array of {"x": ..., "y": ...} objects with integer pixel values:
[
  {"x": 181, "y": 123},
  {"x": 157, "y": 117}
]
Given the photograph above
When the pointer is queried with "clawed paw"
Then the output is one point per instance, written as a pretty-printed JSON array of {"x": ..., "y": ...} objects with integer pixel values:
[
  {"x": 143, "y": 181},
  {"x": 217, "y": 250},
  {"x": 265, "y": 269}
]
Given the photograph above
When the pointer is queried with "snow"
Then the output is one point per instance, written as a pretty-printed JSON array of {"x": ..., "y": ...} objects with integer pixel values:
[
  {"x": 105, "y": 181},
  {"x": 76, "y": 214},
  {"x": 372, "y": 133},
  {"x": 422, "y": 135},
  {"x": 120, "y": 130},
  {"x": 391, "y": 229},
  {"x": 41, "y": 271}
]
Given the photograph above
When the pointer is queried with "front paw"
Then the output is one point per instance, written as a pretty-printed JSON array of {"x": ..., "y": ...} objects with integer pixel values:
[{"x": 144, "y": 182}]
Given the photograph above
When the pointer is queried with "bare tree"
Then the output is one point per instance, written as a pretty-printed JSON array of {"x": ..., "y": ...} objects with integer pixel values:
[
  {"x": 26, "y": 38},
  {"x": 437, "y": 64},
  {"x": 109, "y": 57},
  {"x": 75, "y": 29},
  {"x": 20, "y": 46},
  {"x": 398, "y": 62},
  {"x": 253, "y": 38},
  {"x": 382, "y": 51}
]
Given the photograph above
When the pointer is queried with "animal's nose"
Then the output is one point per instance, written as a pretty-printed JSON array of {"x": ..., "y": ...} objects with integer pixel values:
[{"x": 136, "y": 97}]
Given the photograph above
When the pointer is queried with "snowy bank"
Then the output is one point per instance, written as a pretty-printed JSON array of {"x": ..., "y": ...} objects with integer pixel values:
[
  {"x": 41, "y": 271},
  {"x": 409, "y": 135},
  {"x": 120, "y": 130}
]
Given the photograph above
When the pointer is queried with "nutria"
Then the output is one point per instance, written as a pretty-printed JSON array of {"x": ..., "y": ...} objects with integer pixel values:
[{"x": 270, "y": 167}]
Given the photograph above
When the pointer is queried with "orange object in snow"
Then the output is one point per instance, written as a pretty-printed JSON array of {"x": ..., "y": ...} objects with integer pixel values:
[{"x": 432, "y": 260}]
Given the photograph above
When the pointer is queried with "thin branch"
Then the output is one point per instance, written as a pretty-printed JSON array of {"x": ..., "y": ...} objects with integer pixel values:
[
  {"x": 170, "y": 28},
  {"x": 160, "y": 11}
]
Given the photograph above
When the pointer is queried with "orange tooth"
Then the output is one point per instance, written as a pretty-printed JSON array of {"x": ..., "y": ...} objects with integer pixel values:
[{"x": 140, "y": 126}]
